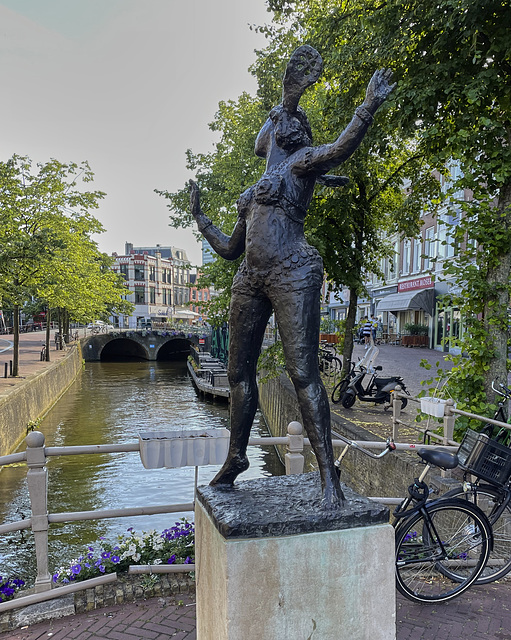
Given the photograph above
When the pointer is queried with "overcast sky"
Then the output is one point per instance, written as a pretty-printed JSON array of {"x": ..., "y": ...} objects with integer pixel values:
[{"x": 128, "y": 85}]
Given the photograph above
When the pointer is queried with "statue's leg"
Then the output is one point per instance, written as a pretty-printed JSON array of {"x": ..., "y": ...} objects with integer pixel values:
[
  {"x": 248, "y": 317},
  {"x": 298, "y": 317}
]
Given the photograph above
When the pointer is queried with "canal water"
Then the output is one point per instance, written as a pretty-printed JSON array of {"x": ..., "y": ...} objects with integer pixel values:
[{"x": 112, "y": 402}]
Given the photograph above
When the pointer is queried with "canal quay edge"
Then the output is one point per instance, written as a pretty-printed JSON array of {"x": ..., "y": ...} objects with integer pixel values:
[
  {"x": 389, "y": 476},
  {"x": 31, "y": 398}
]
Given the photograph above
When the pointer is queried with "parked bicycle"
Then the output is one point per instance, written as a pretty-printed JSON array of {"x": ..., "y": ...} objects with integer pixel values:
[
  {"x": 490, "y": 462},
  {"x": 329, "y": 363},
  {"x": 442, "y": 546}
]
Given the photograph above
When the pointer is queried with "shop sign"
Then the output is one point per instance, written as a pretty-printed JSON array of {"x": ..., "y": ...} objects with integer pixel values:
[
  {"x": 375, "y": 293},
  {"x": 419, "y": 283}
]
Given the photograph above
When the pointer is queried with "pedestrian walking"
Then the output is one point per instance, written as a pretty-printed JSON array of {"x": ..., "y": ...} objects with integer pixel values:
[{"x": 367, "y": 329}]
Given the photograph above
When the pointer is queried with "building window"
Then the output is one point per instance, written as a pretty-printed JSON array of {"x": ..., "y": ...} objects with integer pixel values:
[
  {"x": 406, "y": 256},
  {"x": 152, "y": 273},
  {"x": 429, "y": 248},
  {"x": 123, "y": 268},
  {"x": 152, "y": 295},
  {"x": 139, "y": 295},
  {"x": 139, "y": 272},
  {"x": 416, "y": 264},
  {"x": 167, "y": 297}
]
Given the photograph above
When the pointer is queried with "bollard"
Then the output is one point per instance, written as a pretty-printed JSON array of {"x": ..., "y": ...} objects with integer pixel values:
[
  {"x": 10, "y": 367},
  {"x": 5, "y": 370}
]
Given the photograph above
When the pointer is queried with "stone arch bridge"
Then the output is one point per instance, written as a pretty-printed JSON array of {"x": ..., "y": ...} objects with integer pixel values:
[{"x": 139, "y": 345}]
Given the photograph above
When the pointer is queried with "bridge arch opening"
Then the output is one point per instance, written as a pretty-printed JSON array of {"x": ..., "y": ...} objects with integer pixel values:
[
  {"x": 123, "y": 349},
  {"x": 175, "y": 349}
]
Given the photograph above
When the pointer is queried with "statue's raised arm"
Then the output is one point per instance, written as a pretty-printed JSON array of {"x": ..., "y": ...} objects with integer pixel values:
[
  {"x": 228, "y": 247},
  {"x": 325, "y": 157}
]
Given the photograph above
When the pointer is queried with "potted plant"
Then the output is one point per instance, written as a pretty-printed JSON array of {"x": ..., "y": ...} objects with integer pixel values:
[{"x": 416, "y": 335}]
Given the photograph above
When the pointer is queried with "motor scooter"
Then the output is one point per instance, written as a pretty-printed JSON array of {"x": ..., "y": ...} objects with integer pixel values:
[{"x": 368, "y": 387}]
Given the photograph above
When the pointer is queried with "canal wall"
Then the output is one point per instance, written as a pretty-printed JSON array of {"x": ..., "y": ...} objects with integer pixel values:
[
  {"x": 33, "y": 397},
  {"x": 389, "y": 476}
]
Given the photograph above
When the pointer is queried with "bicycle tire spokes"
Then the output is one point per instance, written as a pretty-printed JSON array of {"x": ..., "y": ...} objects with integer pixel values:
[
  {"x": 440, "y": 551},
  {"x": 495, "y": 505}
]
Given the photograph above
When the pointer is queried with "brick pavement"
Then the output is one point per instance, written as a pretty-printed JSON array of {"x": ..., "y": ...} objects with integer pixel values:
[
  {"x": 152, "y": 619},
  {"x": 483, "y": 612}
]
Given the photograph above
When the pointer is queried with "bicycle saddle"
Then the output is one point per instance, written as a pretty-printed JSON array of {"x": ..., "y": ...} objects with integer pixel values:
[{"x": 439, "y": 457}]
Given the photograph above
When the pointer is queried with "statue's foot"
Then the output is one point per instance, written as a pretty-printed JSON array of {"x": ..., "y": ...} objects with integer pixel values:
[
  {"x": 333, "y": 497},
  {"x": 233, "y": 466}
]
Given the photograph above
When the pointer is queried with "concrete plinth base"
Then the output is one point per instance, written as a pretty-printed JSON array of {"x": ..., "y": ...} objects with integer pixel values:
[{"x": 273, "y": 566}]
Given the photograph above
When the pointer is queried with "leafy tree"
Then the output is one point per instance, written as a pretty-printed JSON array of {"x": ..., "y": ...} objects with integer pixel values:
[
  {"x": 453, "y": 64},
  {"x": 45, "y": 246}
]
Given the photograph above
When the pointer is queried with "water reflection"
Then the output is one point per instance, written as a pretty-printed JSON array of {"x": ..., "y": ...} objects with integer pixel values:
[{"x": 111, "y": 403}]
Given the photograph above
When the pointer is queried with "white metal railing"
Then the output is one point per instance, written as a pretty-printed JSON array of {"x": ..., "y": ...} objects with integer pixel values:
[
  {"x": 448, "y": 420},
  {"x": 36, "y": 455}
]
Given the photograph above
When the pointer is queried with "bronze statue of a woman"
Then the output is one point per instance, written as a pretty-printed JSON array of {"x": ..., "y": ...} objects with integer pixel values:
[{"x": 281, "y": 271}]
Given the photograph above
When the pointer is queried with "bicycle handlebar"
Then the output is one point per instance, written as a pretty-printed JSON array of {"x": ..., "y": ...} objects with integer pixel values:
[
  {"x": 390, "y": 446},
  {"x": 507, "y": 391}
]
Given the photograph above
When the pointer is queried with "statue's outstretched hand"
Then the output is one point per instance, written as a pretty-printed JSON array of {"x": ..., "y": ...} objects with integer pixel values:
[
  {"x": 379, "y": 88},
  {"x": 194, "y": 199}
]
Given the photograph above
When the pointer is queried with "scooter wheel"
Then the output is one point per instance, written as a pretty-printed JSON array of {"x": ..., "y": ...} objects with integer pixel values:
[
  {"x": 404, "y": 402},
  {"x": 348, "y": 399}
]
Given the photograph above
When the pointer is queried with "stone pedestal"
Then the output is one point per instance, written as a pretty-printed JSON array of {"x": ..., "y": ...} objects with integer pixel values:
[{"x": 271, "y": 565}]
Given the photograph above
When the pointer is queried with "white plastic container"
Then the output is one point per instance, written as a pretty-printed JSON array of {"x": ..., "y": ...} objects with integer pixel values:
[
  {"x": 433, "y": 406},
  {"x": 184, "y": 448}
]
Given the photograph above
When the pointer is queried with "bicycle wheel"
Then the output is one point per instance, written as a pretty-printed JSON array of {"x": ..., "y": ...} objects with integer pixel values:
[
  {"x": 334, "y": 367},
  {"x": 348, "y": 399},
  {"x": 339, "y": 390},
  {"x": 453, "y": 535},
  {"x": 489, "y": 499}
]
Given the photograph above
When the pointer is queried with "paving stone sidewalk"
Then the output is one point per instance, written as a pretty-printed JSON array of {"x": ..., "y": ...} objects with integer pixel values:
[{"x": 482, "y": 613}]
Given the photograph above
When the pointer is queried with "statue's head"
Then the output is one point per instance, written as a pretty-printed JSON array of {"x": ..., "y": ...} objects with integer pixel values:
[{"x": 288, "y": 126}]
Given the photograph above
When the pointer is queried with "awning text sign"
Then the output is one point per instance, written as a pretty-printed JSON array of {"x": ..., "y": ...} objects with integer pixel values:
[{"x": 419, "y": 283}]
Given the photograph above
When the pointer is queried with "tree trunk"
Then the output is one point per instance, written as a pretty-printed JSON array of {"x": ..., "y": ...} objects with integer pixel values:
[
  {"x": 65, "y": 325},
  {"x": 48, "y": 333},
  {"x": 60, "y": 343},
  {"x": 347, "y": 349},
  {"x": 16, "y": 341},
  {"x": 495, "y": 314}
]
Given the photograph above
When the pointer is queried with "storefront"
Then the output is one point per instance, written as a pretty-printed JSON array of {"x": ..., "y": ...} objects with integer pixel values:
[{"x": 413, "y": 304}]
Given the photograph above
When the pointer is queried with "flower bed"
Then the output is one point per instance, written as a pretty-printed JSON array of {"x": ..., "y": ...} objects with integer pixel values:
[
  {"x": 172, "y": 546},
  {"x": 8, "y": 587}
]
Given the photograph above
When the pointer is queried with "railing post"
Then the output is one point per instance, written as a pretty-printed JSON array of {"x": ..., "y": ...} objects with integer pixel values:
[
  {"x": 395, "y": 399},
  {"x": 294, "y": 456},
  {"x": 449, "y": 419},
  {"x": 37, "y": 480}
]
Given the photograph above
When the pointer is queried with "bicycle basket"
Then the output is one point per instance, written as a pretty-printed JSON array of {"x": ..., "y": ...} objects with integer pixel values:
[{"x": 485, "y": 458}]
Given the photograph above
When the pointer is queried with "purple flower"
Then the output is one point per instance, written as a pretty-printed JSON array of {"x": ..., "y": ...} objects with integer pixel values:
[
  {"x": 188, "y": 560},
  {"x": 105, "y": 555},
  {"x": 115, "y": 559},
  {"x": 101, "y": 568},
  {"x": 55, "y": 577},
  {"x": 75, "y": 569},
  {"x": 172, "y": 559}
]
